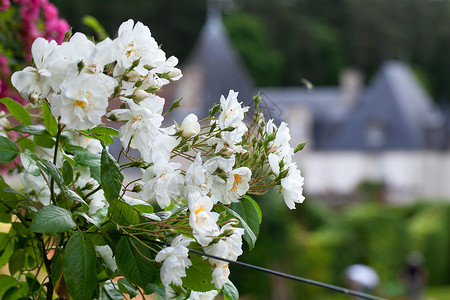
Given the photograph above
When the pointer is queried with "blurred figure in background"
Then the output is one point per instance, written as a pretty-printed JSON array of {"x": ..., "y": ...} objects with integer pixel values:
[
  {"x": 414, "y": 276},
  {"x": 361, "y": 278}
]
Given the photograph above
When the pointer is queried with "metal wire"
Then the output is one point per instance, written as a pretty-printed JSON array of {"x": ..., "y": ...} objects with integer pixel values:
[{"x": 281, "y": 274}]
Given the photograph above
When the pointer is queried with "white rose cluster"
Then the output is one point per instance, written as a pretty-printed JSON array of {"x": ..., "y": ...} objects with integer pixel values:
[{"x": 226, "y": 158}]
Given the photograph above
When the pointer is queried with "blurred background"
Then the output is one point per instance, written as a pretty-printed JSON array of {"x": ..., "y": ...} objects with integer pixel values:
[{"x": 366, "y": 83}]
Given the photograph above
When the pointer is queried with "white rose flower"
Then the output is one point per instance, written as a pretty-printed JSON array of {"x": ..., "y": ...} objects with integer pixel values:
[
  {"x": 202, "y": 221},
  {"x": 175, "y": 260},
  {"x": 162, "y": 182},
  {"x": 36, "y": 81},
  {"x": 237, "y": 184},
  {"x": 135, "y": 42},
  {"x": 203, "y": 295},
  {"x": 229, "y": 247},
  {"x": 220, "y": 275},
  {"x": 83, "y": 100},
  {"x": 190, "y": 126},
  {"x": 292, "y": 187}
]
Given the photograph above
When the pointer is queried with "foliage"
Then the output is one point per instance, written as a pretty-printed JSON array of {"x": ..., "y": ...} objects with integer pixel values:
[
  {"x": 83, "y": 223},
  {"x": 321, "y": 243}
]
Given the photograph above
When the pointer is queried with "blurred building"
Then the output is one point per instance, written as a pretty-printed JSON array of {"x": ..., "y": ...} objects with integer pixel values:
[{"x": 388, "y": 132}]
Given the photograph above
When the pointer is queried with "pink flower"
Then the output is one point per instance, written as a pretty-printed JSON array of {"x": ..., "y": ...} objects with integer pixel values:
[{"x": 4, "y": 5}]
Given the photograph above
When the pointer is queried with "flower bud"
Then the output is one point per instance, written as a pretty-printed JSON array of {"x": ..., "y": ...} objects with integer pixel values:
[
  {"x": 228, "y": 232},
  {"x": 227, "y": 152},
  {"x": 140, "y": 95},
  {"x": 34, "y": 98},
  {"x": 137, "y": 188},
  {"x": 190, "y": 126},
  {"x": 174, "y": 73},
  {"x": 132, "y": 75}
]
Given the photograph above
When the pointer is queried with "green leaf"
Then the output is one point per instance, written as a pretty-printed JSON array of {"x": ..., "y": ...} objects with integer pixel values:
[
  {"x": 16, "y": 261},
  {"x": 16, "y": 292},
  {"x": 95, "y": 25},
  {"x": 127, "y": 288},
  {"x": 6, "y": 282},
  {"x": 249, "y": 235},
  {"x": 45, "y": 141},
  {"x": 31, "y": 129},
  {"x": 57, "y": 267},
  {"x": 27, "y": 144},
  {"x": 79, "y": 265},
  {"x": 49, "y": 120},
  {"x": 71, "y": 195},
  {"x": 67, "y": 173},
  {"x": 123, "y": 213},
  {"x": 29, "y": 163},
  {"x": 230, "y": 292},
  {"x": 8, "y": 150},
  {"x": 87, "y": 159},
  {"x": 50, "y": 169},
  {"x": 5, "y": 214},
  {"x": 249, "y": 210},
  {"x": 110, "y": 176},
  {"x": 17, "y": 110},
  {"x": 6, "y": 197},
  {"x": 132, "y": 258},
  {"x": 105, "y": 139},
  {"x": 108, "y": 292},
  {"x": 52, "y": 219},
  {"x": 105, "y": 131},
  {"x": 198, "y": 275}
]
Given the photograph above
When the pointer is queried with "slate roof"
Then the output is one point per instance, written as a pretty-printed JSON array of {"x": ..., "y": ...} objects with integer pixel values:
[
  {"x": 219, "y": 63},
  {"x": 394, "y": 106}
]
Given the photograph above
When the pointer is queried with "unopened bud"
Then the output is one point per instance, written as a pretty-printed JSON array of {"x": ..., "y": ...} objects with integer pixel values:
[
  {"x": 227, "y": 152},
  {"x": 140, "y": 95},
  {"x": 190, "y": 126},
  {"x": 34, "y": 98},
  {"x": 228, "y": 232},
  {"x": 132, "y": 75},
  {"x": 113, "y": 117},
  {"x": 174, "y": 73},
  {"x": 233, "y": 222},
  {"x": 137, "y": 188}
]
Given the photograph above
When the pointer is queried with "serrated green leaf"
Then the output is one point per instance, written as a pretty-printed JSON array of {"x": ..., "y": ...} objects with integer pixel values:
[
  {"x": 87, "y": 159},
  {"x": 29, "y": 164},
  {"x": 73, "y": 196},
  {"x": 50, "y": 169},
  {"x": 67, "y": 172},
  {"x": 249, "y": 235},
  {"x": 79, "y": 265},
  {"x": 16, "y": 261},
  {"x": 17, "y": 110},
  {"x": 49, "y": 120},
  {"x": 198, "y": 275},
  {"x": 230, "y": 292},
  {"x": 111, "y": 177},
  {"x": 31, "y": 129},
  {"x": 105, "y": 131},
  {"x": 8, "y": 150},
  {"x": 123, "y": 213},
  {"x": 127, "y": 288},
  {"x": 249, "y": 210},
  {"x": 132, "y": 259},
  {"x": 52, "y": 219}
]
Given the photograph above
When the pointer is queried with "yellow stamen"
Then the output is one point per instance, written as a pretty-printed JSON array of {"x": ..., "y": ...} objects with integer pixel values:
[{"x": 237, "y": 181}]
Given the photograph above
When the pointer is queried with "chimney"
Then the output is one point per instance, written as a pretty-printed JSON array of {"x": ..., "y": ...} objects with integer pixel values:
[{"x": 351, "y": 83}]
